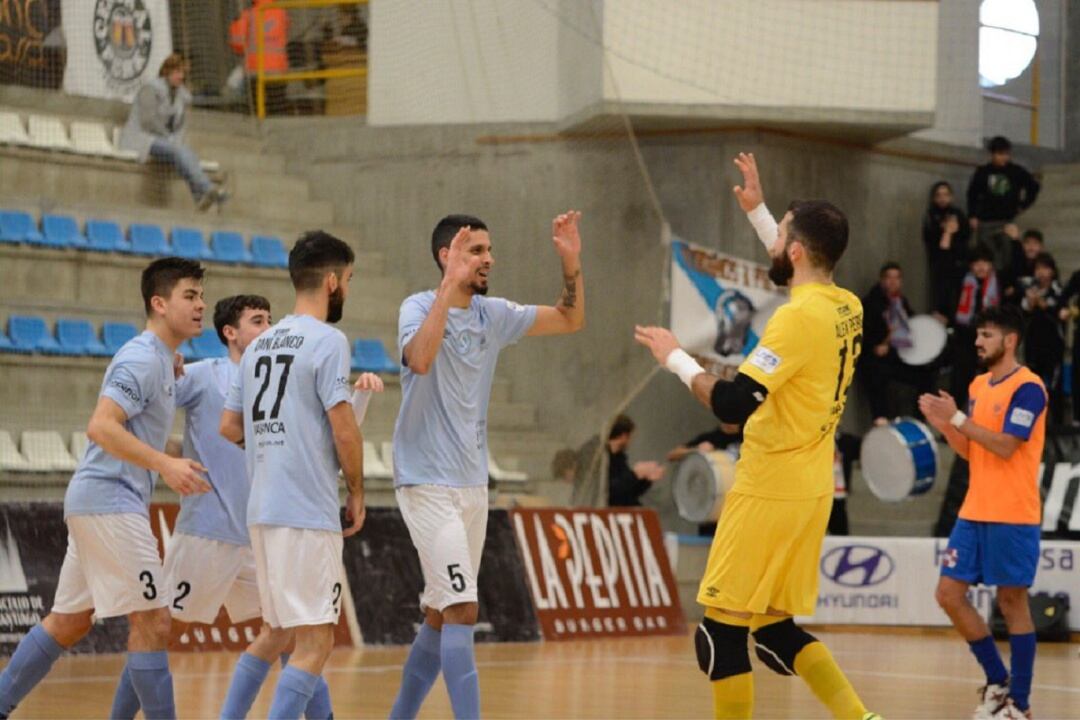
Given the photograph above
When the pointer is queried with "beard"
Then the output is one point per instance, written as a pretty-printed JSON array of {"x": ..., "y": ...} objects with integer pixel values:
[
  {"x": 781, "y": 270},
  {"x": 336, "y": 306},
  {"x": 478, "y": 288},
  {"x": 988, "y": 359}
]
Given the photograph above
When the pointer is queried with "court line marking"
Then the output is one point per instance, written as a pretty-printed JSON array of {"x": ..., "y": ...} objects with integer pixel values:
[{"x": 378, "y": 669}]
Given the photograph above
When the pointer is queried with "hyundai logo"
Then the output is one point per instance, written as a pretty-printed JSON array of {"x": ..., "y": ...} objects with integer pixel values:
[{"x": 857, "y": 565}]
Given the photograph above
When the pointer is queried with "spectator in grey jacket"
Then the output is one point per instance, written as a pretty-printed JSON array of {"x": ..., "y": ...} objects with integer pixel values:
[{"x": 155, "y": 129}]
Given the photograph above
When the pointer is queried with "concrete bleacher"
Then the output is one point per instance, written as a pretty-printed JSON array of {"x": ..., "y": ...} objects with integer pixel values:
[{"x": 58, "y": 393}]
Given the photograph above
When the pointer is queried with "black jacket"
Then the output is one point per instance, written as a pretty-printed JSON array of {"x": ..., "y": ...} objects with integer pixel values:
[
  {"x": 956, "y": 255},
  {"x": 875, "y": 328},
  {"x": 1000, "y": 193},
  {"x": 624, "y": 487}
]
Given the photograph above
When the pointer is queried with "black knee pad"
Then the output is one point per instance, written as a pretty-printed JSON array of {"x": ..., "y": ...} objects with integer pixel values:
[
  {"x": 777, "y": 645},
  {"x": 721, "y": 649}
]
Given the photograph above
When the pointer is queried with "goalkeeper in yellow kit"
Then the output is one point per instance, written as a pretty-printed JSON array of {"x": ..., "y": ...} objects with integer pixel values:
[{"x": 789, "y": 393}]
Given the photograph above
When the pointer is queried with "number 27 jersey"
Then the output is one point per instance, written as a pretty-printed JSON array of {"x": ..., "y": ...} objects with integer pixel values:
[
  {"x": 806, "y": 360},
  {"x": 289, "y": 377}
]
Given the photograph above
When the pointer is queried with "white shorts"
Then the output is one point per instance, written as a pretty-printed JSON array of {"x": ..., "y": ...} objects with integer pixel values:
[
  {"x": 112, "y": 567},
  {"x": 205, "y": 574},
  {"x": 299, "y": 573},
  {"x": 447, "y": 526}
]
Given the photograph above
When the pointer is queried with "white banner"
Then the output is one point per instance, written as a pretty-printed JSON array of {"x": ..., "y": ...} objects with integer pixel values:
[
  {"x": 719, "y": 303},
  {"x": 114, "y": 46},
  {"x": 891, "y": 581}
]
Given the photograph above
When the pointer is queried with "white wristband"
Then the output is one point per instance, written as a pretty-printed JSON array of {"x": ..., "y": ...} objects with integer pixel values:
[
  {"x": 764, "y": 224},
  {"x": 680, "y": 363},
  {"x": 958, "y": 419},
  {"x": 360, "y": 400}
]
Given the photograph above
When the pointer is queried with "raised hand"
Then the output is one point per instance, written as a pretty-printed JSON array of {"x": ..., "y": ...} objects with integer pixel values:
[
  {"x": 750, "y": 194},
  {"x": 660, "y": 341},
  {"x": 184, "y": 476},
  {"x": 368, "y": 382},
  {"x": 565, "y": 235},
  {"x": 460, "y": 265}
]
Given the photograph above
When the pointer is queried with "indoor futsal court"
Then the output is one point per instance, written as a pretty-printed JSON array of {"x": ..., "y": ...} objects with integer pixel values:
[{"x": 540, "y": 359}]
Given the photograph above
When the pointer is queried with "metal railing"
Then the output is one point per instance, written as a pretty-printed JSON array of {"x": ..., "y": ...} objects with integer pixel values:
[{"x": 262, "y": 77}]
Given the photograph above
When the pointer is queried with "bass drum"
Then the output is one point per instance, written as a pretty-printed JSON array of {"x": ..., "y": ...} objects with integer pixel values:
[
  {"x": 899, "y": 460},
  {"x": 701, "y": 481}
]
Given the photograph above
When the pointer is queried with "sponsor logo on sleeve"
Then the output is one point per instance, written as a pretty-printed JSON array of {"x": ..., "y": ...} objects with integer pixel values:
[
  {"x": 515, "y": 306},
  {"x": 1022, "y": 417},
  {"x": 765, "y": 360}
]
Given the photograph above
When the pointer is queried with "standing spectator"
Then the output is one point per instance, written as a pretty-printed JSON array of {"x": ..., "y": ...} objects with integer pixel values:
[
  {"x": 980, "y": 290},
  {"x": 244, "y": 40},
  {"x": 1045, "y": 348},
  {"x": 886, "y": 328},
  {"x": 1023, "y": 265},
  {"x": 155, "y": 129},
  {"x": 626, "y": 483},
  {"x": 945, "y": 235},
  {"x": 847, "y": 451},
  {"x": 998, "y": 192}
]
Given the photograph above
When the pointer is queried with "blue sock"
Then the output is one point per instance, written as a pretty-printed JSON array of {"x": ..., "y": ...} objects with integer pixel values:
[
  {"x": 294, "y": 690},
  {"x": 248, "y": 677},
  {"x": 31, "y": 662},
  {"x": 459, "y": 671},
  {"x": 987, "y": 654},
  {"x": 125, "y": 702},
  {"x": 153, "y": 683},
  {"x": 421, "y": 670},
  {"x": 319, "y": 707},
  {"x": 1023, "y": 667}
]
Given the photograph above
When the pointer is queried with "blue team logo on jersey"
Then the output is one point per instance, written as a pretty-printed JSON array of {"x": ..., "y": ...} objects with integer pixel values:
[{"x": 857, "y": 566}]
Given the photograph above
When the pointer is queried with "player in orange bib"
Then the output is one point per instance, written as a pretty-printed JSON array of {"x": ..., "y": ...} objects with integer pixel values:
[
  {"x": 996, "y": 538},
  {"x": 789, "y": 393}
]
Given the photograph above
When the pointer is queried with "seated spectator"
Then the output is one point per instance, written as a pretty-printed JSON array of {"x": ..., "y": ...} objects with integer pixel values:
[
  {"x": 999, "y": 191},
  {"x": 886, "y": 328},
  {"x": 244, "y": 41},
  {"x": 1044, "y": 345},
  {"x": 626, "y": 483},
  {"x": 1023, "y": 265},
  {"x": 945, "y": 235},
  {"x": 155, "y": 129},
  {"x": 979, "y": 290},
  {"x": 717, "y": 439}
]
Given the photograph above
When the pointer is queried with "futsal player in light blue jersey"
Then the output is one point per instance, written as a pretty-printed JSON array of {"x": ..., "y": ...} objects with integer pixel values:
[
  {"x": 290, "y": 406},
  {"x": 112, "y": 567},
  {"x": 450, "y": 339}
]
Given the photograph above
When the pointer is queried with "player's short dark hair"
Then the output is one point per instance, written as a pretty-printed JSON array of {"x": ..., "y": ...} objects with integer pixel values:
[
  {"x": 314, "y": 255},
  {"x": 1034, "y": 235},
  {"x": 822, "y": 229},
  {"x": 161, "y": 276},
  {"x": 1007, "y": 318},
  {"x": 622, "y": 425},
  {"x": 890, "y": 265},
  {"x": 1046, "y": 260},
  {"x": 447, "y": 228},
  {"x": 228, "y": 310},
  {"x": 999, "y": 143},
  {"x": 981, "y": 251}
]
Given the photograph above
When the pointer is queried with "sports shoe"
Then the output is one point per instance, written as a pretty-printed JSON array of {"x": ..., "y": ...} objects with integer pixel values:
[
  {"x": 991, "y": 698},
  {"x": 1009, "y": 711},
  {"x": 872, "y": 716}
]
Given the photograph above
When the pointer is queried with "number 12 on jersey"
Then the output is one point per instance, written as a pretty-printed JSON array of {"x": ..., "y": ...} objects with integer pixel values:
[{"x": 846, "y": 350}]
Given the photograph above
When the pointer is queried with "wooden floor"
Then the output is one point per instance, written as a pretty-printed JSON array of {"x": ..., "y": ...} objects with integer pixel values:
[{"x": 898, "y": 675}]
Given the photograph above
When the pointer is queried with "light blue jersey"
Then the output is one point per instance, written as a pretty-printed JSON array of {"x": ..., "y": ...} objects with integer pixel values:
[
  {"x": 289, "y": 377},
  {"x": 441, "y": 433},
  {"x": 220, "y": 514},
  {"x": 140, "y": 379}
]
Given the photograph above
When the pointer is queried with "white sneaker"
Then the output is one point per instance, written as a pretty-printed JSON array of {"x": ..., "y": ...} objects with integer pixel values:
[
  {"x": 1009, "y": 711},
  {"x": 991, "y": 699}
]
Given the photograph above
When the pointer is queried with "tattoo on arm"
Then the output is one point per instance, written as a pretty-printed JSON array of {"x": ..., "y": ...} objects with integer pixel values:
[{"x": 569, "y": 294}]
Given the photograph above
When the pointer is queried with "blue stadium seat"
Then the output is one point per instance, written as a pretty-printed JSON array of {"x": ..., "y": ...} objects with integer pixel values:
[
  {"x": 6, "y": 345},
  {"x": 208, "y": 345},
  {"x": 189, "y": 243},
  {"x": 228, "y": 247},
  {"x": 105, "y": 236},
  {"x": 30, "y": 333},
  {"x": 371, "y": 356},
  {"x": 186, "y": 351},
  {"x": 147, "y": 239},
  {"x": 269, "y": 252},
  {"x": 77, "y": 337},
  {"x": 115, "y": 334},
  {"x": 63, "y": 231},
  {"x": 17, "y": 226}
]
